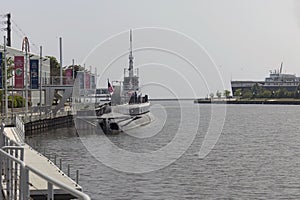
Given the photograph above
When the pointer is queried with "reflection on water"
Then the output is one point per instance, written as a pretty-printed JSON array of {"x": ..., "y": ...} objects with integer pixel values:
[{"x": 257, "y": 156}]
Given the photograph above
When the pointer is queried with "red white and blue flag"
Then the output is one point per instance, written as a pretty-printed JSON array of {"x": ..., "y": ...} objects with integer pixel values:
[{"x": 110, "y": 87}]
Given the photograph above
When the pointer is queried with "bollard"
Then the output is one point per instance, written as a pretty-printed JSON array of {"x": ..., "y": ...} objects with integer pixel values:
[
  {"x": 55, "y": 159},
  {"x": 60, "y": 164}
]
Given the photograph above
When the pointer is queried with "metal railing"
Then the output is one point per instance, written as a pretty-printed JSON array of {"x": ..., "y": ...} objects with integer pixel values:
[
  {"x": 14, "y": 182},
  {"x": 20, "y": 128},
  {"x": 55, "y": 80}
]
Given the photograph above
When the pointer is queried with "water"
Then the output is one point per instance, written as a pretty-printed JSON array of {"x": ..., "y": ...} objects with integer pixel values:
[{"x": 256, "y": 156}]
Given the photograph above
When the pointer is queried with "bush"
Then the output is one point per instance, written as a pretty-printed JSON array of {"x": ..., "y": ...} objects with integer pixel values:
[
  {"x": 20, "y": 101},
  {"x": 10, "y": 98}
]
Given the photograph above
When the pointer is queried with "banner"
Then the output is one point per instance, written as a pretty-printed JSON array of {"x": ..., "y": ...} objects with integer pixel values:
[
  {"x": 19, "y": 71},
  {"x": 87, "y": 80},
  {"x": 80, "y": 76},
  {"x": 93, "y": 84},
  {"x": 69, "y": 76},
  {"x": 34, "y": 74},
  {"x": 1, "y": 83}
]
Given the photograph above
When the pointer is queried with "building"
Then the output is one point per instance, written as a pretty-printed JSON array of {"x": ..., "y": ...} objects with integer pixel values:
[
  {"x": 276, "y": 80},
  {"x": 33, "y": 94}
]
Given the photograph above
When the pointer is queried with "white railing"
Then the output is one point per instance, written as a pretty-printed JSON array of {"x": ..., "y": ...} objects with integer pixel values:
[
  {"x": 14, "y": 182},
  {"x": 20, "y": 128}
]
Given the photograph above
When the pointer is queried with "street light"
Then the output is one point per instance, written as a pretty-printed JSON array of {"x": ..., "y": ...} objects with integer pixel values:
[{"x": 5, "y": 81}]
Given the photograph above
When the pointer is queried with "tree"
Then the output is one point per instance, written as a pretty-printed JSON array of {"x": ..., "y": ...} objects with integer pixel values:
[
  {"x": 256, "y": 90},
  {"x": 218, "y": 94},
  {"x": 9, "y": 75},
  {"x": 247, "y": 94},
  {"x": 54, "y": 66},
  {"x": 266, "y": 94},
  {"x": 226, "y": 93},
  {"x": 211, "y": 95},
  {"x": 297, "y": 92},
  {"x": 238, "y": 92}
]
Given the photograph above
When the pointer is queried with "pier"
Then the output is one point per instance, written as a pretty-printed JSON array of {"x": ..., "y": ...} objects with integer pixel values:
[{"x": 27, "y": 174}]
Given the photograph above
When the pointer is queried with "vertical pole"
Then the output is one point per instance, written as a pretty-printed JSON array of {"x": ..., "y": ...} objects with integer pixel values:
[
  {"x": 68, "y": 170},
  {"x": 26, "y": 188},
  {"x": 5, "y": 82},
  {"x": 26, "y": 83},
  {"x": 8, "y": 30},
  {"x": 50, "y": 192},
  {"x": 73, "y": 72},
  {"x": 60, "y": 54},
  {"x": 1, "y": 164},
  {"x": 77, "y": 176},
  {"x": 41, "y": 66}
]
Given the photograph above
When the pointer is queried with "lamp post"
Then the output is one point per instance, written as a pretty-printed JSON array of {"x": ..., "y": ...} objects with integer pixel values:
[
  {"x": 41, "y": 64},
  {"x": 73, "y": 71},
  {"x": 5, "y": 81},
  {"x": 60, "y": 55},
  {"x": 26, "y": 83}
]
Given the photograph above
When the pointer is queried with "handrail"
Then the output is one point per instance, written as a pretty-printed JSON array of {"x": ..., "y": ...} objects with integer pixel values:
[
  {"x": 72, "y": 191},
  {"x": 13, "y": 184}
]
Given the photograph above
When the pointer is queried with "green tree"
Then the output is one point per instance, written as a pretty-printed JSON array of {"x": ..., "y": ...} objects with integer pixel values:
[
  {"x": 297, "y": 92},
  {"x": 256, "y": 90},
  {"x": 9, "y": 75},
  {"x": 54, "y": 66},
  {"x": 226, "y": 93},
  {"x": 247, "y": 94},
  {"x": 266, "y": 94},
  {"x": 238, "y": 93}
]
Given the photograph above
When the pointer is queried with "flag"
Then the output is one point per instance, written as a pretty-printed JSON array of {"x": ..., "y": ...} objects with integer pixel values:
[
  {"x": 19, "y": 71},
  {"x": 110, "y": 87},
  {"x": 34, "y": 74}
]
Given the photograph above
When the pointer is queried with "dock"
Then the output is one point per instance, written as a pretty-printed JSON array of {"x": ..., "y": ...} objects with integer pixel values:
[{"x": 29, "y": 174}]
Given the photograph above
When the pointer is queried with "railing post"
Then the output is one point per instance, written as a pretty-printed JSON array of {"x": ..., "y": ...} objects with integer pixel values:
[
  {"x": 77, "y": 176},
  {"x": 68, "y": 170},
  {"x": 60, "y": 164},
  {"x": 2, "y": 135},
  {"x": 26, "y": 185},
  {"x": 1, "y": 167},
  {"x": 7, "y": 177},
  {"x": 50, "y": 192}
]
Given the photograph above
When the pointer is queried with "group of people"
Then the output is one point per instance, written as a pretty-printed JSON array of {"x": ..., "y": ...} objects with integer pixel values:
[{"x": 137, "y": 98}]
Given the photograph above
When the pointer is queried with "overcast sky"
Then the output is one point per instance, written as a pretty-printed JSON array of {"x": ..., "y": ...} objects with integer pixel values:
[{"x": 243, "y": 38}]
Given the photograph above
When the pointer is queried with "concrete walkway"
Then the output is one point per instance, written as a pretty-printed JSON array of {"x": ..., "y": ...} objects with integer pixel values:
[{"x": 34, "y": 159}]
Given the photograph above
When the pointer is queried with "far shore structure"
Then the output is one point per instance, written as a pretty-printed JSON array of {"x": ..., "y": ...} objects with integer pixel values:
[{"x": 276, "y": 81}]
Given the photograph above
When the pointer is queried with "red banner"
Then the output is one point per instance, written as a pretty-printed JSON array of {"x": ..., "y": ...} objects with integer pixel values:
[
  {"x": 87, "y": 81},
  {"x": 69, "y": 76},
  {"x": 19, "y": 71}
]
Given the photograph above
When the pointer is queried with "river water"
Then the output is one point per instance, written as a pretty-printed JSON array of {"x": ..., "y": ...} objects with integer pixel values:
[{"x": 257, "y": 154}]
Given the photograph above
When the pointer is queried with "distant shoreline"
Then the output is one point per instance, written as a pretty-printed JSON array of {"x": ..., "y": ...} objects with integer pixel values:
[
  {"x": 181, "y": 99},
  {"x": 249, "y": 101}
]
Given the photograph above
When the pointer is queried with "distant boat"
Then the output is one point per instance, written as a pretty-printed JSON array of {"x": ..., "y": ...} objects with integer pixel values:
[{"x": 128, "y": 108}]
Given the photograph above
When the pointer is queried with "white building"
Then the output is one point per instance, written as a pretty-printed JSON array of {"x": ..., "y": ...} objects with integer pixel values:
[{"x": 34, "y": 94}]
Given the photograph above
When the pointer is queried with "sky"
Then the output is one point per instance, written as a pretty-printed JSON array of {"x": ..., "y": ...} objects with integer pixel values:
[{"x": 183, "y": 48}]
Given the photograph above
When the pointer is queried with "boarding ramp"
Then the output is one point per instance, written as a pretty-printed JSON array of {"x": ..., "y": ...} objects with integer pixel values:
[{"x": 26, "y": 174}]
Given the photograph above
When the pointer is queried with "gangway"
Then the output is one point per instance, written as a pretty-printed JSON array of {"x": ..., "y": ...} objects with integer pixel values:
[{"x": 28, "y": 174}]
